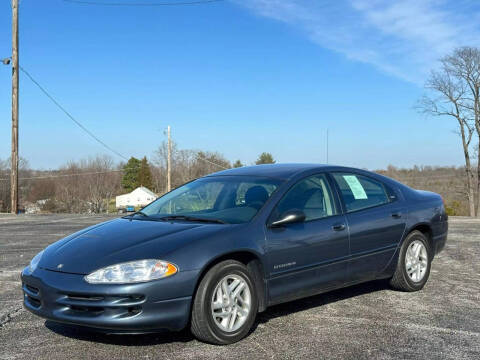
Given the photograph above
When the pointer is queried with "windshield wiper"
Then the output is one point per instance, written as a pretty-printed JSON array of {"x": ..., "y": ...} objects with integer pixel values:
[
  {"x": 191, "y": 218},
  {"x": 138, "y": 213}
]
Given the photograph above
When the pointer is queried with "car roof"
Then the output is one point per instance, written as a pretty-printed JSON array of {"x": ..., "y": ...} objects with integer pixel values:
[
  {"x": 280, "y": 171},
  {"x": 287, "y": 171}
]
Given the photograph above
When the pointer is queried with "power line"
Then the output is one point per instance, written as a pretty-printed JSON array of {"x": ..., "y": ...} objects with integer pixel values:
[
  {"x": 199, "y": 158},
  {"x": 74, "y": 174},
  {"x": 70, "y": 116},
  {"x": 67, "y": 175},
  {"x": 211, "y": 162},
  {"x": 101, "y": 172},
  {"x": 88, "y": 131},
  {"x": 170, "y": 3}
]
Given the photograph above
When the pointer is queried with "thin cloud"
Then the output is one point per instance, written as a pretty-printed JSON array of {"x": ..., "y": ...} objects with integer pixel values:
[{"x": 401, "y": 38}]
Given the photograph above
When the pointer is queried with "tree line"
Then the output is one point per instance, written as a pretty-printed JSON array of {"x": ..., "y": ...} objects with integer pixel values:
[
  {"x": 448, "y": 181},
  {"x": 90, "y": 185}
]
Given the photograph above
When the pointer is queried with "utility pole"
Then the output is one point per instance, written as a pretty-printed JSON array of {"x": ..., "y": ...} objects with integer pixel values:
[
  {"x": 169, "y": 161},
  {"x": 15, "y": 68}
]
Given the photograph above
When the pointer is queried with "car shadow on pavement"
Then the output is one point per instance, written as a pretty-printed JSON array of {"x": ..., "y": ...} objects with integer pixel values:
[
  {"x": 320, "y": 300},
  {"x": 80, "y": 333}
]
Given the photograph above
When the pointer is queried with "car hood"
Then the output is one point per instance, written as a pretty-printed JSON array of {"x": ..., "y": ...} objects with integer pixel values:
[{"x": 122, "y": 240}]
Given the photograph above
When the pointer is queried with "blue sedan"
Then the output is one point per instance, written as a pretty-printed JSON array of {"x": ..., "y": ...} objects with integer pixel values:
[{"x": 214, "y": 252}]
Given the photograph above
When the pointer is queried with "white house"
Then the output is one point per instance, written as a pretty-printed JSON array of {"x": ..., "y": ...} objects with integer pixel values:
[{"x": 141, "y": 196}]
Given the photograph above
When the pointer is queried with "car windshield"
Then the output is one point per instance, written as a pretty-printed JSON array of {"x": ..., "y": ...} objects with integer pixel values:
[{"x": 222, "y": 199}]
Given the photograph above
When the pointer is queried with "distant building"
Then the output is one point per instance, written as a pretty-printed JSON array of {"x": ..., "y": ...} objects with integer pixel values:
[
  {"x": 141, "y": 196},
  {"x": 34, "y": 208}
]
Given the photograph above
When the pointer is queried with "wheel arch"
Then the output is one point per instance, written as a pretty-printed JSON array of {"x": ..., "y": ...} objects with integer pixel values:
[
  {"x": 399, "y": 278},
  {"x": 426, "y": 230},
  {"x": 253, "y": 261},
  {"x": 422, "y": 227}
]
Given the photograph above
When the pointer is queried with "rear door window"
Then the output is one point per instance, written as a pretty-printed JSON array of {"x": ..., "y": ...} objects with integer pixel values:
[{"x": 360, "y": 192}]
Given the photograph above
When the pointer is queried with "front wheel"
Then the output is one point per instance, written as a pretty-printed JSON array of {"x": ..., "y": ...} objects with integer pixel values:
[
  {"x": 413, "y": 267},
  {"x": 225, "y": 304}
]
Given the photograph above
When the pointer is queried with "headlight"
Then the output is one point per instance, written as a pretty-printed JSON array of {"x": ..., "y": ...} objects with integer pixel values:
[
  {"x": 34, "y": 262},
  {"x": 132, "y": 272}
]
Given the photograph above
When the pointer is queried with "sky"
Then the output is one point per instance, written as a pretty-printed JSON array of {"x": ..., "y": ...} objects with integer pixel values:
[{"x": 235, "y": 76}]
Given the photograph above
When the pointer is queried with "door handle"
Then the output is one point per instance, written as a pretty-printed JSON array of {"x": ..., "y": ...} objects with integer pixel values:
[
  {"x": 338, "y": 227},
  {"x": 396, "y": 215}
]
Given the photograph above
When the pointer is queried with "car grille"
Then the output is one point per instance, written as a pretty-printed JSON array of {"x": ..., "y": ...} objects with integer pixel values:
[
  {"x": 32, "y": 296},
  {"x": 83, "y": 305},
  {"x": 118, "y": 306}
]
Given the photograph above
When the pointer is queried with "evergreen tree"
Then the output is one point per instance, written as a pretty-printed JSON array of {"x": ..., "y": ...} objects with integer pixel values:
[
  {"x": 237, "y": 164},
  {"x": 265, "y": 158},
  {"x": 130, "y": 174},
  {"x": 145, "y": 174}
]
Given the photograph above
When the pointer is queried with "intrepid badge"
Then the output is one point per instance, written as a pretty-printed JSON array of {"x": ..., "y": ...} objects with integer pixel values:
[{"x": 281, "y": 266}]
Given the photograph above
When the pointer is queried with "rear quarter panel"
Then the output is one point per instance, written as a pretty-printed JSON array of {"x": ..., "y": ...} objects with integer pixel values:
[{"x": 427, "y": 208}]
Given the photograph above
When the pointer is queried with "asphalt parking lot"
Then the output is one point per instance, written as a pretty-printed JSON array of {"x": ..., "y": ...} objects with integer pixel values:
[{"x": 364, "y": 321}]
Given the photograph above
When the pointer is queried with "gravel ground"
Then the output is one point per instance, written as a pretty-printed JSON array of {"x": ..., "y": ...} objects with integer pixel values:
[{"x": 363, "y": 321}]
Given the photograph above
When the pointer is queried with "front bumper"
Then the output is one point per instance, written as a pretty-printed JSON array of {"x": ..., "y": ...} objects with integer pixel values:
[{"x": 142, "y": 307}]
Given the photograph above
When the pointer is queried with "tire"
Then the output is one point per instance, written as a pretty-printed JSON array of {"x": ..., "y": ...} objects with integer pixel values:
[
  {"x": 207, "y": 327},
  {"x": 407, "y": 277}
]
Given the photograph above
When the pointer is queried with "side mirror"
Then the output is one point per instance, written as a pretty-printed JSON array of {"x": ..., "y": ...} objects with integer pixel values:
[{"x": 289, "y": 217}]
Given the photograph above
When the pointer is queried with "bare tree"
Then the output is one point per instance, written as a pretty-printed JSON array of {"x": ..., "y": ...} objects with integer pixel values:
[
  {"x": 464, "y": 65},
  {"x": 24, "y": 173},
  {"x": 68, "y": 192},
  {"x": 4, "y": 186},
  {"x": 186, "y": 165},
  {"x": 85, "y": 186},
  {"x": 41, "y": 189},
  {"x": 454, "y": 93},
  {"x": 160, "y": 166},
  {"x": 100, "y": 186}
]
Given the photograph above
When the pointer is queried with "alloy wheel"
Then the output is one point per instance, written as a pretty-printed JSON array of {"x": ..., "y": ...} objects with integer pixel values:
[
  {"x": 416, "y": 260},
  {"x": 231, "y": 303}
]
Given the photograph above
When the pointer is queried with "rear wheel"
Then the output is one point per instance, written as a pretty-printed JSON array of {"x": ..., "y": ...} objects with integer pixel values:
[
  {"x": 225, "y": 304},
  {"x": 413, "y": 267}
]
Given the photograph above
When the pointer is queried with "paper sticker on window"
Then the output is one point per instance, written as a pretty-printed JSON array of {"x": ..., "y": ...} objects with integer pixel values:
[{"x": 356, "y": 187}]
